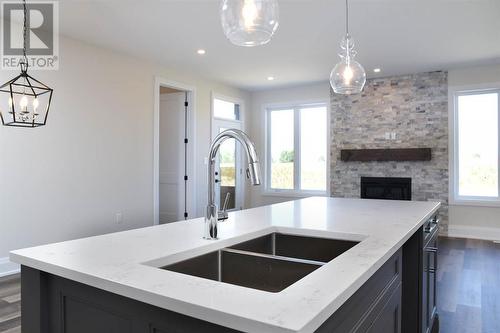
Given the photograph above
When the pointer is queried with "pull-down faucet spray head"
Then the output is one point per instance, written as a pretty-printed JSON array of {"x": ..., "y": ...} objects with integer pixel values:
[{"x": 253, "y": 172}]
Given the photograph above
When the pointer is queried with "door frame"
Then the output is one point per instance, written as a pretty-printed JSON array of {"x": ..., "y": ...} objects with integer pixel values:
[
  {"x": 240, "y": 159},
  {"x": 191, "y": 156},
  {"x": 239, "y": 199}
]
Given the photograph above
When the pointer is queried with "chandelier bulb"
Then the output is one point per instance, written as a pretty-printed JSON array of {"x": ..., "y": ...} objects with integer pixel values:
[
  {"x": 36, "y": 103},
  {"x": 23, "y": 103},
  {"x": 348, "y": 75}
]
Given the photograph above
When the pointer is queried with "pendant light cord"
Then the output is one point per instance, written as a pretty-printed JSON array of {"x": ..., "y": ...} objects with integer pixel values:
[
  {"x": 25, "y": 32},
  {"x": 347, "y": 37},
  {"x": 347, "y": 17}
]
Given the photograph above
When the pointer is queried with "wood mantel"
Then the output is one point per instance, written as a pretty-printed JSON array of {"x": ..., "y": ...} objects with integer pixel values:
[{"x": 384, "y": 155}]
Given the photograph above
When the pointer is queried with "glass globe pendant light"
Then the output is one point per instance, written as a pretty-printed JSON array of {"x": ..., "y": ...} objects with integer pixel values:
[
  {"x": 249, "y": 22},
  {"x": 348, "y": 76},
  {"x": 24, "y": 101}
]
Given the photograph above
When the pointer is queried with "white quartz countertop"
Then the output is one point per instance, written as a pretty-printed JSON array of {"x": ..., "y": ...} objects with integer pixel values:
[{"x": 126, "y": 263}]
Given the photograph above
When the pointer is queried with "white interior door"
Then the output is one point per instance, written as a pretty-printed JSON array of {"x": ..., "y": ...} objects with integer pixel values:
[
  {"x": 171, "y": 178},
  {"x": 229, "y": 167}
]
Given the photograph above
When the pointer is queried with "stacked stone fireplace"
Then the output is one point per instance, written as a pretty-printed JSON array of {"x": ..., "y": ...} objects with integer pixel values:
[{"x": 415, "y": 108}]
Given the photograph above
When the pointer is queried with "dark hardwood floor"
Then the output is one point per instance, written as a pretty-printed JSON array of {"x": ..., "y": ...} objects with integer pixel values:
[
  {"x": 10, "y": 304},
  {"x": 468, "y": 289},
  {"x": 468, "y": 286}
]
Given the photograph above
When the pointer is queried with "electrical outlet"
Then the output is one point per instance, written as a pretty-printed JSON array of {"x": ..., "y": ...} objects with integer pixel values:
[
  {"x": 393, "y": 136},
  {"x": 119, "y": 218},
  {"x": 387, "y": 135}
]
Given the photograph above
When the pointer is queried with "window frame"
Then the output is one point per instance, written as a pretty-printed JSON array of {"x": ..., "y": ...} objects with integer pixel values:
[
  {"x": 296, "y": 107},
  {"x": 455, "y": 198}
]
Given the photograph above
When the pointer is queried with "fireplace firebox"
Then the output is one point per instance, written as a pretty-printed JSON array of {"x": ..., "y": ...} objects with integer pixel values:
[{"x": 388, "y": 188}]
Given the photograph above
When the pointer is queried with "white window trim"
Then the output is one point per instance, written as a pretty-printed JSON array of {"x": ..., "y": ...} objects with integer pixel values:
[
  {"x": 454, "y": 197},
  {"x": 295, "y": 193}
]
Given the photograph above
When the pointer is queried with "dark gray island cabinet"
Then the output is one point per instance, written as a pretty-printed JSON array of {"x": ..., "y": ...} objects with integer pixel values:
[
  {"x": 398, "y": 297},
  {"x": 58, "y": 305}
]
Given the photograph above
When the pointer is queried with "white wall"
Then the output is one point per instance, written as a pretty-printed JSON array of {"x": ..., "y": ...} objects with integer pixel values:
[
  {"x": 474, "y": 75},
  {"x": 300, "y": 94},
  {"x": 474, "y": 221},
  {"x": 95, "y": 157}
]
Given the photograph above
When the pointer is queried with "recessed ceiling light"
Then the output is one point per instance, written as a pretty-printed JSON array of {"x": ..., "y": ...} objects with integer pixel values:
[
  {"x": 377, "y": 70},
  {"x": 270, "y": 78},
  {"x": 201, "y": 51}
]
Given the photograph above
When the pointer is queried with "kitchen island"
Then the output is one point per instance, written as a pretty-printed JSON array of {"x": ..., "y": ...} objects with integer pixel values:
[{"x": 116, "y": 282}]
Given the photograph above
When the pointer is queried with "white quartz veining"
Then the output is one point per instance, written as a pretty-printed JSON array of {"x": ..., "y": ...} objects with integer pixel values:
[{"x": 125, "y": 263}]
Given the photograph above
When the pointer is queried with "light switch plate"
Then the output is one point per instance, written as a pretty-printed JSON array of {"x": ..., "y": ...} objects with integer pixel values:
[{"x": 119, "y": 218}]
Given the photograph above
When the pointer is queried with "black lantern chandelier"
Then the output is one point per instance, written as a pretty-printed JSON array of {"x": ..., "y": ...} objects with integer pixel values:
[{"x": 28, "y": 100}]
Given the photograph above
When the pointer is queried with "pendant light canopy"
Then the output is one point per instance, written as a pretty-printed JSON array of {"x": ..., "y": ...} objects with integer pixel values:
[
  {"x": 348, "y": 76},
  {"x": 24, "y": 101},
  {"x": 249, "y": 22}
]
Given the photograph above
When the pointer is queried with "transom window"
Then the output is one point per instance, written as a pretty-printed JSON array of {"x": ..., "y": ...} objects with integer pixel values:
[
  {"x": 476, "y": 147},
  {"x": 297, "y": 149},
  {"x": 226, "y": 110}
]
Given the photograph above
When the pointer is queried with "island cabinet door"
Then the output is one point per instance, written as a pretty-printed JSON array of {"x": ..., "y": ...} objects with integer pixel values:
[
  {"x": 375, "y": 307},
  {"x": 51, "y": 304},
  {"x": 389, "y": 318}
]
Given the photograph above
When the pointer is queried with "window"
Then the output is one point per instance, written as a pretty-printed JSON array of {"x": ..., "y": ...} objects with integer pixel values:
[
  {"x": 226, "y": 110},
  {"x": 476, "y": 147},
  {"x": 282, "y": 149},
  {"x": 297, "y": 149}
]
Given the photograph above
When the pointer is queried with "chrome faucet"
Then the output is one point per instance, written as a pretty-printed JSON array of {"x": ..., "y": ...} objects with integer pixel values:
[{"x": 252, "y": 172}]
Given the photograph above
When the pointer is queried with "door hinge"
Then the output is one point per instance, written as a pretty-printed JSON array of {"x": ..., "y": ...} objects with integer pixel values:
[
  {"x": 186, "y": 104},
  {"x": 186, "y": 177},
  {"x": 186, "y": 140},
  {"x": 185, "y": 215}
]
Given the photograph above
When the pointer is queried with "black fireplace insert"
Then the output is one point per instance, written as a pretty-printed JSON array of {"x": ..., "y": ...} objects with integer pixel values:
[{"x": 388, "y": 188}]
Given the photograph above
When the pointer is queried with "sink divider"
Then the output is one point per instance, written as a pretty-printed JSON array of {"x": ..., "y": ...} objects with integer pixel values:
[
  {"x": 219, "y": 269},
  {"x": 273, "y": 243},
  {"x": 269, "y": 256}
]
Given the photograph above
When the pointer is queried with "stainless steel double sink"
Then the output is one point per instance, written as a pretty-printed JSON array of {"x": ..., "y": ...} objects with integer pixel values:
[{"x": 269, "y": 263}]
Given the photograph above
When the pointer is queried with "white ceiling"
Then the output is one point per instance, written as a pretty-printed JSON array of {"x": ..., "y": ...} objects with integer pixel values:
[{"x": 399, "y": 36}]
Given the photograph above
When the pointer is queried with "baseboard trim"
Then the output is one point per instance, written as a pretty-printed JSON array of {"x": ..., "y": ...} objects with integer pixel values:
[
  {"x": 8, "y": 268},
  {"x": 473, "y": 232}
]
